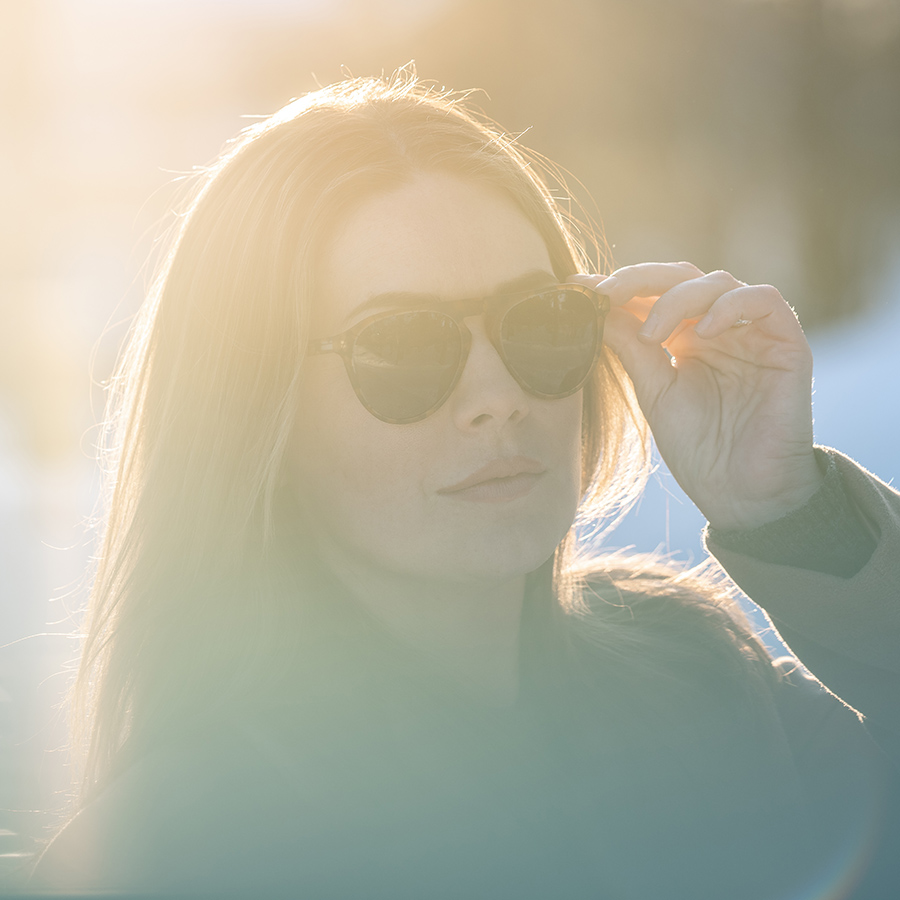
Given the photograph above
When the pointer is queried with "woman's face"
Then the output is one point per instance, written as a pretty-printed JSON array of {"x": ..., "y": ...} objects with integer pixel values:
[{"x": 408, "y": 498}]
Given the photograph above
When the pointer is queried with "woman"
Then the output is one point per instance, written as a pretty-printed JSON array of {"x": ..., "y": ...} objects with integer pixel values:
[{"x": 341, "y": 640}]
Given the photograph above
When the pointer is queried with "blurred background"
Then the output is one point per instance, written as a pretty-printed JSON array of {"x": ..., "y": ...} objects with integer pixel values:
[{"x": 761, "y": 136}]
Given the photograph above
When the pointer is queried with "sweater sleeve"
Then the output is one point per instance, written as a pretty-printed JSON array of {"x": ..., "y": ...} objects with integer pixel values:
[
  {"x": 829, "y": 534},
  {"x": 828, "y": 575}
]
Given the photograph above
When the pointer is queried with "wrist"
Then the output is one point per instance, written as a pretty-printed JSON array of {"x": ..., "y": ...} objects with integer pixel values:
[
  {"x": 759, "y": 512},
  {"x": 827, "y": 534}
]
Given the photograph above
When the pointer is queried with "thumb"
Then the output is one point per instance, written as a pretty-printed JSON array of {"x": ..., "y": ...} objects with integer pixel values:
[{"x": 648, "y": 365}]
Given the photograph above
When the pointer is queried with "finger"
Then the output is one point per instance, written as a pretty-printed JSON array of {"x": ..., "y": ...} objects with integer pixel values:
[
  {"x": 758, "y": 304},
  {"x": 641, "y": 280},
  {"x": 603, "y": 284},
  {"x": 648, "y": 280},
  {"x": 599, "y": 283},
  {"x": 688, "y": 299},
  {"x": 648, "y": 365}
]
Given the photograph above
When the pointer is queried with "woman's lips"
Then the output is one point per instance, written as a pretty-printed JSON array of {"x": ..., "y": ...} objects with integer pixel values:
[{"x": 499, "y": 480}]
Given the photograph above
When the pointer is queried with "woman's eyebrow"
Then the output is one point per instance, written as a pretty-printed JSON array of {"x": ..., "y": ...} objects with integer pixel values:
[
  {"x": 533, "y": 280},
  {"x": 391, "y": 299}
]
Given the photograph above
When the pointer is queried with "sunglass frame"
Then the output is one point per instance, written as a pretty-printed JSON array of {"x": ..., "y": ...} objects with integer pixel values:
[{"x": 493, "y": 308}]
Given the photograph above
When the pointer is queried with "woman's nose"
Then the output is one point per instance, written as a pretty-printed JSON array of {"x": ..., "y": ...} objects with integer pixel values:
[{"x": 487, "y": 394}]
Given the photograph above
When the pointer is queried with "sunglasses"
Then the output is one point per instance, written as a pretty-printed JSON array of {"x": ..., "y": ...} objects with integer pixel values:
[{"x": 404, "y": 365}]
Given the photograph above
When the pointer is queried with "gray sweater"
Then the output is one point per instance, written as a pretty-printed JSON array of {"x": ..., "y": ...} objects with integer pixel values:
[{"x": 672, "y": 780}]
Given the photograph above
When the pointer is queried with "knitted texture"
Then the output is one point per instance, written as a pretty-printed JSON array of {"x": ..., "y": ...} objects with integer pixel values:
[{"x": 827, "y": 534}]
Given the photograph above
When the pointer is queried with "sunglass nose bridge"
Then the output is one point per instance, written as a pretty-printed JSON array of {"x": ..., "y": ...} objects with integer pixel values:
[{"x": 467, "y": 309}]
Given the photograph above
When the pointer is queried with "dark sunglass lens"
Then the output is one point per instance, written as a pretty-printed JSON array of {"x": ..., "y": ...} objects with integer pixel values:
[
  {"x": 405, "y": 364},
  {"x": 550, "y": 341}
]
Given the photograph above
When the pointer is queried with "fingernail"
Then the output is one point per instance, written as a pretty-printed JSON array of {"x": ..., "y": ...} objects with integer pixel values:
[
  {"x": 703, "y": 325},
  {"x": 650, "y": 326}
]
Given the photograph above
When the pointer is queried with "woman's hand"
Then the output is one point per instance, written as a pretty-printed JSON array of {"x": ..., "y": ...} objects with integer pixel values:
[{"x": 729, "y": 403}]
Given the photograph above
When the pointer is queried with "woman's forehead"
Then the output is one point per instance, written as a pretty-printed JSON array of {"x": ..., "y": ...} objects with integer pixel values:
[{"x": 437, "y": 235}]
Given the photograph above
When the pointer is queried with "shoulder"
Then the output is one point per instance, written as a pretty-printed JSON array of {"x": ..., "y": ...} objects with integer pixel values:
[
  {"x": 825, "y": 734},
  {"x": 686, "y": 624},
  {"x": 102, "y": 845},
  {"x": 162, "y": 825},
  {"x": 238, "y": 812},
  {"x": 641, "y": 601}
]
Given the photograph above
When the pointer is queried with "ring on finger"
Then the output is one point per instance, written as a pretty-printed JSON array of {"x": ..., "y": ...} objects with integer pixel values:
[{"x": 741, "y": 322}]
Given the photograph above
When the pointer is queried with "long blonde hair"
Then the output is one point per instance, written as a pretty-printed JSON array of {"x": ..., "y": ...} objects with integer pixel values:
[{"x": 181, "y": 612}]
